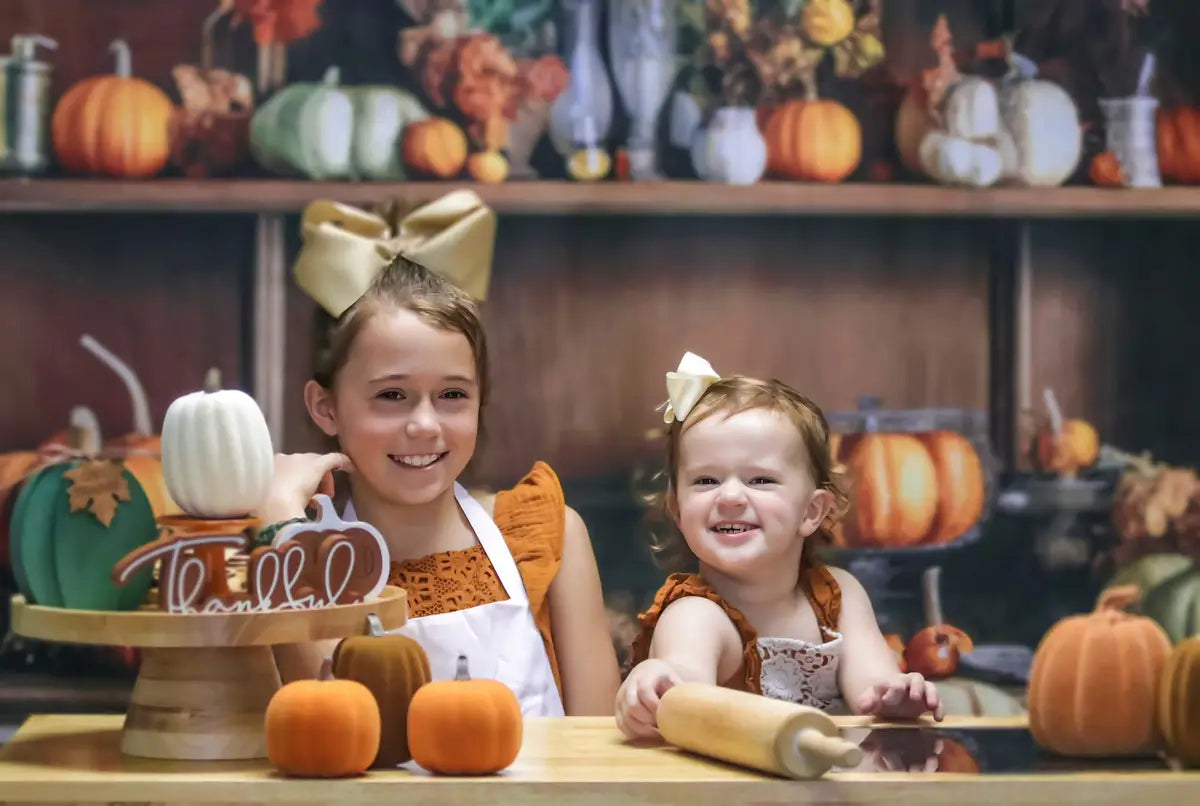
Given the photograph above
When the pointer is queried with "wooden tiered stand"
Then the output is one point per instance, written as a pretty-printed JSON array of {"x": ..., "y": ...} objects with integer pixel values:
[{"x": 205, "y": 679}]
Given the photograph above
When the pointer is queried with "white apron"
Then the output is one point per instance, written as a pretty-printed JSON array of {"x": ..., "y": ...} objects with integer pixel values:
[{"x": 500, "y": 639}]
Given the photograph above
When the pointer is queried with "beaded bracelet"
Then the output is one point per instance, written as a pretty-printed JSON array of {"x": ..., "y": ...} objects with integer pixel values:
[{"x": 266, "y": 534}]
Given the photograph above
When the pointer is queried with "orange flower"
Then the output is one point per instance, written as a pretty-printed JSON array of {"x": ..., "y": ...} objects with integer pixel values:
[{"x": 278, "y": 20}]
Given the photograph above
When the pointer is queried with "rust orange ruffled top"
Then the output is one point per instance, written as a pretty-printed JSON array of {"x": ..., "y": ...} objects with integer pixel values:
[
  {"x": 531, "y": 517},
  {"x": 818, "y": 584}
]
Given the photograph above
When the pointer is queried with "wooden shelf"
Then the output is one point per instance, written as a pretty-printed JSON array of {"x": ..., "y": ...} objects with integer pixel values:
[{"x": 604, "y": 198}]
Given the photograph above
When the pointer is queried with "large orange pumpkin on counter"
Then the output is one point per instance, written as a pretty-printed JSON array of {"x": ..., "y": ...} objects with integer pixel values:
[
  {"x": 113, "y": 125},
  {"x": 1177, "y": 130},
  {"x": 322, "y": 728},
  {"x": 1093, "y": 687},
  {"x": 813, "y": 140}
]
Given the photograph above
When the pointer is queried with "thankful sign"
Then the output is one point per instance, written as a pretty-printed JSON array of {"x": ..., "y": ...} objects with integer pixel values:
[{"x": 308, "y": 565}]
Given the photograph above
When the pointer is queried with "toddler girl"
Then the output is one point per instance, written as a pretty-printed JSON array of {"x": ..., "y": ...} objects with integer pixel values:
[
  {"x": 750, "y": 489},
  {"x": 510, "y": 580}
]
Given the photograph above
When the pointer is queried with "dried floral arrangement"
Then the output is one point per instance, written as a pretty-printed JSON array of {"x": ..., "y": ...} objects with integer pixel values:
[
  {"x": 767, "y": 51},
  {"x": 468, "y": 73}
]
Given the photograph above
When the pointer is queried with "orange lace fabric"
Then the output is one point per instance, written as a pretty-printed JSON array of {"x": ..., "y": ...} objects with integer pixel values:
[
  {"x": 819, "y": 586},
  {"x": 530, "y": 516}
]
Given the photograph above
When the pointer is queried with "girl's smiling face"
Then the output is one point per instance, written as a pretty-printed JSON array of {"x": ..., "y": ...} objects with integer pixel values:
[
  {"x": 745, "y": 495},
  {"x": 405, "y": 407}
]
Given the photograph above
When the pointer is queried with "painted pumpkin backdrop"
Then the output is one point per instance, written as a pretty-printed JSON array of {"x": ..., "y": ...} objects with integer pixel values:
[
  {"x": 1178, "y": 133},
  {"x": 1093, "y": 687},
  {"x": 1179, "y": 703},
  {"x": 910, "y": 489},
  {"x": 115, "y": 125},
  {"x": 813, "y": 140}
]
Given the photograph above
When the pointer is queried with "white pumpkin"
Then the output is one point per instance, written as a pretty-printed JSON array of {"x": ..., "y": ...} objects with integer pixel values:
[
  {"x": 972, "y": 109},
  {"x": 957, "y": 161},
  {"x": 217, "y": 456},
  {"x": 326, "y": 131},
  {"x": 1040, "y": 140}
]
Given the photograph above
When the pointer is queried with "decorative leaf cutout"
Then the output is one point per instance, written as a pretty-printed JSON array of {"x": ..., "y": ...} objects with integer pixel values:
[{"x": 97, "y": 486}]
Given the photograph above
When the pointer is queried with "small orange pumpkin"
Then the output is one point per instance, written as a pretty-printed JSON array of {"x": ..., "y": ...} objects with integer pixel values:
[
  {"x": 487, "y": 166},
  {"x": 394, "y": 668},
  {"x": 1094, "y": 683},
  {"x": 464, "y": 726},
  {"x": 1105, "y": 170},
  {"x": 322, "y": 728},
  {"x": 114, "y": 125},
  {"x": 435, "y": 147},
  {"x": 1179, "y": 703},
  {"x": 1177, "y": 131},
  {"x": 1076, "y": 447},
  {"x": 960, "y": 487},
  {"x": 894, "y": 498},
  {"x": 813, "y": 140}
]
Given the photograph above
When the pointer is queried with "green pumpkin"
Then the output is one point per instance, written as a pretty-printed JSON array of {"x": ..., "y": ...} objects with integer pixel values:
[
  {"x": 65, "y": 559},
  {"x": 326, "y": 131},
  {"x": 1175, "y": 605}
]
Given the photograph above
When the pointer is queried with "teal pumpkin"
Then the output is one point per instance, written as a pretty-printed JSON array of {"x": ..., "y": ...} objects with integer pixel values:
[
  {"x": 1175, "y": 605},
  {"x": 326, "y": 131},
  {"x": 63, "y": 558}
]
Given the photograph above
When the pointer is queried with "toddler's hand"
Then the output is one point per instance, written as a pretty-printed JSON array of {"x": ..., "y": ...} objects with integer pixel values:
[
  {"x": 903, "y": 697},
  {"x": 637, "y": 699},
  {"x": 296, "y": 479}
]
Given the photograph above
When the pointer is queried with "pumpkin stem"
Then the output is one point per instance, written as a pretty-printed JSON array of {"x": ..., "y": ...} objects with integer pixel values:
[
  {"x": 374, "y": 625},
  {"x": 333, "y": 76},
  {"x": 141, "y": 409},
  {"x": 931, "y": 595},
  {"x": 1118, "y": 597},
  {"x": 212, "y": 380},
  {"x": 326, "y": 671},
  {"x": 206, "y": 33},
  {"x": 83, "y": 434},
  {"x": 1056, "y": 417},
  {"x": 461, "y": 673},
  {"x": 124, "y": 58}
]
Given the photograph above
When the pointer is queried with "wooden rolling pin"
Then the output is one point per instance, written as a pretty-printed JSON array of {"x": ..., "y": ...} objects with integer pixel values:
[{"x": 754, "y": 731}]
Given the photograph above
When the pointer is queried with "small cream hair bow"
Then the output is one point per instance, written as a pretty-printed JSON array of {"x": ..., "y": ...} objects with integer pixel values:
[
  {"x": 345, "y": 248},
  {"x": 686, "y": 385}
]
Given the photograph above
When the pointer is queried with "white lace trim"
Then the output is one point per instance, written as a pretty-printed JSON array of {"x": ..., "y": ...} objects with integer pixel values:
[{"x": 800, "y": 671}]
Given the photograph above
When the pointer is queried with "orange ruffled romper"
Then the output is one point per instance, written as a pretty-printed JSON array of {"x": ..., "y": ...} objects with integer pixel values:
[
  {"x": 531, "y": 518},
  {"x": 781, "y": 668}
]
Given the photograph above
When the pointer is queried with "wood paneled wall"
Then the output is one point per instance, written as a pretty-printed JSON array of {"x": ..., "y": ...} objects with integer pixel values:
[{"x": 588, "y": 313}]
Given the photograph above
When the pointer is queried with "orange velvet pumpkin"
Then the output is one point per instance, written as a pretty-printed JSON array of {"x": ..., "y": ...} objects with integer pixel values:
[
  {"x": 142, "y": 456},
  {"x": 393, "y": 667},
  {"x": 464, "y": 726},
  {"x": 894, "y": 498},
  {"x": 816, "y": 140},
  {"x": 1179, "y": 703},
  {"x": 114, "y": 125},
  {"x": 960, "y": 486},
  {"x": 435, "y": 147},
  {"x": 1076, "y": 447},
  {"x": 1178, "y": 132},
  {"x": 1094, "y": 683},
  {"x": 322, "y": 728}
]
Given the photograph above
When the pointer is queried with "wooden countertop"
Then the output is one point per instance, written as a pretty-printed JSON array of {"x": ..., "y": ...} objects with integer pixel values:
[{"x": 579, "y": 760}]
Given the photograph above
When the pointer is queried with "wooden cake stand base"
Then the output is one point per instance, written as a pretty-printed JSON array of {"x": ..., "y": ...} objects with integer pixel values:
[{"x": 205, "y": 679}]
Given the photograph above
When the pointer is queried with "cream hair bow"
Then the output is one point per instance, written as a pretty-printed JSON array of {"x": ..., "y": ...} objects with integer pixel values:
[
  {"x": 345, "y": 248},
  {"x": 686, "y": 385}
]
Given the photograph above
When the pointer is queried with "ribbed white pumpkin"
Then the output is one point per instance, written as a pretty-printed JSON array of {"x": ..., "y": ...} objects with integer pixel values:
[
  {"x": 217, "y": 455},
  {"x": 1040, "y": 142}
]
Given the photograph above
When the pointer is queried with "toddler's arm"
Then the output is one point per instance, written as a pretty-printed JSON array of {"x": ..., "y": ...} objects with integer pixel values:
[
  {"x": 870, "y": 679},
  {"x": 587, "y": 661},
  {"x": 694, "y": 641}
]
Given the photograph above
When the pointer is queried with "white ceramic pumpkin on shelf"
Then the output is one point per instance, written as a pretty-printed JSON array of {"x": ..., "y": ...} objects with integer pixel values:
[
  {"x": 972, "y": 109},
  {"x": 216, "y": 452},
  {"x": 323, "y": 130},
  {"x": 1040, "y": 141}
]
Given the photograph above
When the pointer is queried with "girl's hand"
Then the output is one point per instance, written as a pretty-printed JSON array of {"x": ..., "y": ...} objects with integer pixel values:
[
  {"x": 297, "y": 478},
  {"x": 638, "y": 697},
  {"x": 905, "y": 696}
]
